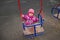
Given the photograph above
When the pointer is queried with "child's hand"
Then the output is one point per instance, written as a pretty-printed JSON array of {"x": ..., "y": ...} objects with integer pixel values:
[{"x": 22, "y": 15}]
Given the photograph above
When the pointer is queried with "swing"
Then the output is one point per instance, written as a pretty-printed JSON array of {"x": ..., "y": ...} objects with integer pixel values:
[
  {"x": 56, "y": 11},
  {"x": 36, "y": 29}
]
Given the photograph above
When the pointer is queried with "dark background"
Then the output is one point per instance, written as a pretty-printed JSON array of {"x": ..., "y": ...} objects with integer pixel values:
[{"x": 11, "y": 25}]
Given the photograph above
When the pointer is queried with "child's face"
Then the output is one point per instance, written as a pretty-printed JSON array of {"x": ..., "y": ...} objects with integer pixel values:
[{"x": 30, "y": 14}]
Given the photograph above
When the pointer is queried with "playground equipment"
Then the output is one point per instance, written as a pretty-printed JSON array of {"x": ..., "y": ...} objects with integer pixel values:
[
  {"x": 56, "y": 11},
  {"x": 35, "y": 29}
]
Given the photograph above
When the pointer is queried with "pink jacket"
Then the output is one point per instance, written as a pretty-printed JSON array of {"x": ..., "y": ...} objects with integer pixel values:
[{"x": 30, "y": 20}]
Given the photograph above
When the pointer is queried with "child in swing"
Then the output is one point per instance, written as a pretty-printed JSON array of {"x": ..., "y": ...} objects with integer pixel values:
[{"x": 30, "y": 18}]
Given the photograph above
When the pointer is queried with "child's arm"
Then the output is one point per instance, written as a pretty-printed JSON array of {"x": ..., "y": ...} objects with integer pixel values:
[
  {"x": 35, "y": 19},
  {"x": 25, "y": 17}
]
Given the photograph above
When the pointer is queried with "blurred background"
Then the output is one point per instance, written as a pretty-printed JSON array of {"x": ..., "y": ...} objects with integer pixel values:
[{"x": 11, "y": 25}]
